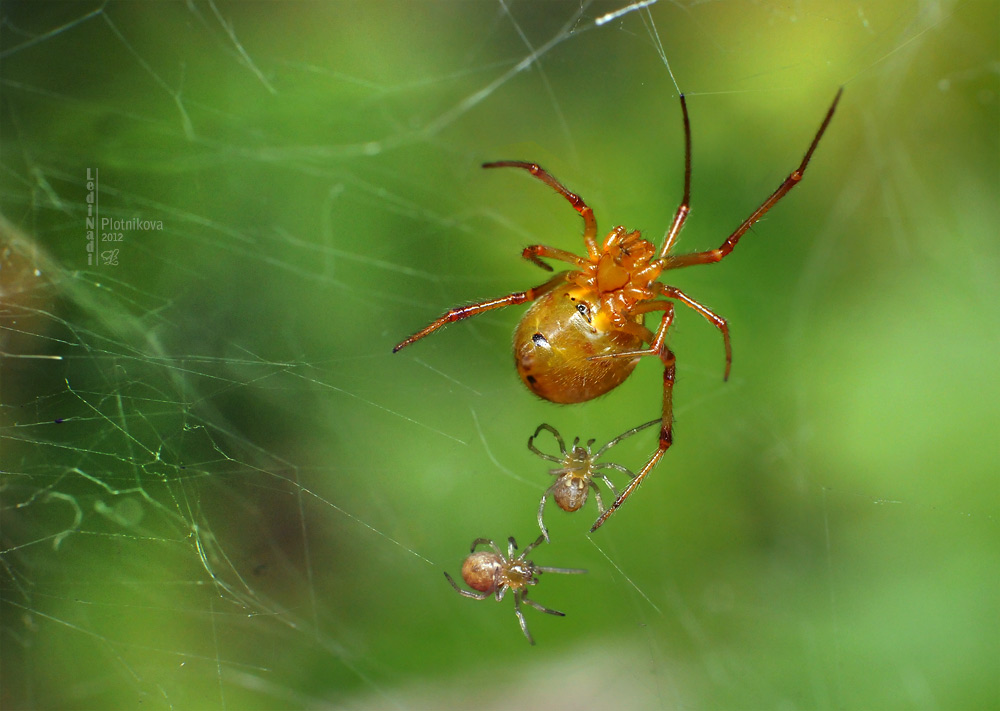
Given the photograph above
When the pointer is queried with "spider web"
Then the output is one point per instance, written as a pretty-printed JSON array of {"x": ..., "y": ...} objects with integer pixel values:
[{"x": 221, "y": 490}]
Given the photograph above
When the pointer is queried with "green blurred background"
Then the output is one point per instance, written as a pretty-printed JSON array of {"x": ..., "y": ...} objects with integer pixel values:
[{"x": 220, "y": 489}]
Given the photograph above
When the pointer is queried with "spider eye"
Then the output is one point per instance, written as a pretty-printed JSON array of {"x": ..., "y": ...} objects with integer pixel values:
[{"x": 584, "y": 311}]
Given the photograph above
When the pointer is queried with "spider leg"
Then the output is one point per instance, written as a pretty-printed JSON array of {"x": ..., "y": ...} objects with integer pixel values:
[
  {"x": 534, "y": 544},
  {"x": 612, "y": 465},
  {"x": 685, "y": 207},
  {"x": 463, "y": 312},
  {"x": 533, "y": 252},
  {"x": 466, "y": 593},
  {"x": 564, "y": 571},
  {"x": 656, "y": 340},
  {"x": 541, "y": 510},
  {"x": 597, "y": 491},
  {"x": 486, "y": 542},
  {"x": 542, "y": 608},
  {"x": 622, "y": 436},
  {"x": 666, "y": 355},
  {"x": 720, "y": 323},
  {"x": 555, "y": 433},
  {"x": 714, "y": 255},
  {"x": 589, "y": 222},
  {"x": 520, "y": 615}
]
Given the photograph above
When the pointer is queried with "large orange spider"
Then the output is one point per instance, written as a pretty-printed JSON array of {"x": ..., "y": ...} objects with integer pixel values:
[{"x": 584, "y": 334}]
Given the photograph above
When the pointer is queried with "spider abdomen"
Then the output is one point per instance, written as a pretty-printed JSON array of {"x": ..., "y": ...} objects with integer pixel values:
[
  {"x": 556, "y": 339},
  {"x": 481, "y": 571},
  {"x": 570, "y": 494}
]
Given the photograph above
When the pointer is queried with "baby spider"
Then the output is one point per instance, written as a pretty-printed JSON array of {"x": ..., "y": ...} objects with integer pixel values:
[
  {"x": 492, "y": 573},
  {"x": 575, "y": 477},
  {"x": 585, "y": 331}
]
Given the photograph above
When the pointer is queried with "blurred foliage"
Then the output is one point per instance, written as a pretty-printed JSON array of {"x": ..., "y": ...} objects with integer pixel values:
[{"x": 221, "y": 490}]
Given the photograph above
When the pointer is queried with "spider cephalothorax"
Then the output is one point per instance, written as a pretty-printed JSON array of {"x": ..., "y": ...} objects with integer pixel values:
[{"x": 621, "y": 277}]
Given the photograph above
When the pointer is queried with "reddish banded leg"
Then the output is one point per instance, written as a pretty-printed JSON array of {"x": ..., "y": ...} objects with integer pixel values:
[
  {"x": 589, "y": 222},
  {"x": 714, "y": 255},
  {"x": 463, "y": 312},
  {"x": 659, "y": 348}
]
